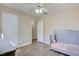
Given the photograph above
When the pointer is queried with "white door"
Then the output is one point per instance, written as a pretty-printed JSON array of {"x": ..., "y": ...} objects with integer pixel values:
[
  {"x": 9, "y": 27},
  {"x": 40, "y": 31}
]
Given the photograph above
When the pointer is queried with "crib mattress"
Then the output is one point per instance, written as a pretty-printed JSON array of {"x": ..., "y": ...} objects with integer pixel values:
[{"x": 70, "y": 49}]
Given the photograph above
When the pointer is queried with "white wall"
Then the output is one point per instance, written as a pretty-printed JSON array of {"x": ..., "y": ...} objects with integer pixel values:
[
  {"x": 25, "y": 30},
  {"x": 66, "y": 19},
  {"x": 24, "y": 25},
  {"x": 0, "y": 26}
]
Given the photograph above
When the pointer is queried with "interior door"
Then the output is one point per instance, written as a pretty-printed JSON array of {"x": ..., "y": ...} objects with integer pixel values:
[
  {"x": 9, "y": 27},
  {"x": 40, "y": 31}
]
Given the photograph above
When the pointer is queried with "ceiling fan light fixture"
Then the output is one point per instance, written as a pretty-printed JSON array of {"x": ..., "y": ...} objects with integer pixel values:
[
  {"x": 40, "y": 10},
  {"x": 37, "y": 11}
]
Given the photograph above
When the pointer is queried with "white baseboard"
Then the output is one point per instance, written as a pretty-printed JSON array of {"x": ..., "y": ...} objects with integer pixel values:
[
  {"x": 40, "y": 41},
  {"x": 44, "y": 42},
  {"x": 31, "y": 43},
  {"x": 24, "y": 45}
]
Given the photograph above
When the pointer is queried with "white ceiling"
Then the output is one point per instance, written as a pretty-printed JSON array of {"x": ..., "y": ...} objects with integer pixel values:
[{"x": 30, "y": 7}]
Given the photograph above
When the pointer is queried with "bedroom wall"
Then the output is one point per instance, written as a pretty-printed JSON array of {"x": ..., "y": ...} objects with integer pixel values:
[
  {"x": 0, "y": 26},
  {"x": 65, "y": 19},
  {"x": 24, "y": 25}
]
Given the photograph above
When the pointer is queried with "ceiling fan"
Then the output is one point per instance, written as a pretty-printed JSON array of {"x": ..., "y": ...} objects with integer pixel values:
[{"x": 40, "y": 9}]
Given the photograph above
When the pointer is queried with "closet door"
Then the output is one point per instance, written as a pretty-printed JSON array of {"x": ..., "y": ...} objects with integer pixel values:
[
  {"x": 40, "y": 31},
  {"x": 9, "y": 27}
]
